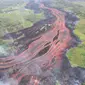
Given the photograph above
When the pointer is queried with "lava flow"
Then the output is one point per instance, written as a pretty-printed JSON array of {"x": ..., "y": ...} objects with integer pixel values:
[{"x": 43, "y": 54}]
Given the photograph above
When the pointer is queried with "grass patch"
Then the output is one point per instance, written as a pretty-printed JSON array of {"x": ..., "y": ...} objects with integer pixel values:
[
  {"x": 17, "y": 19},
  {"x": 14, "y": 18},
  {"x": 77, "y": 55}
]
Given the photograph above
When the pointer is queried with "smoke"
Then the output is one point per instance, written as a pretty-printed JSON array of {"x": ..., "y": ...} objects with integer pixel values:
[
  {"x": 2, "y": 83},
  {"x": 9, "y": 82},
  {"x": 5, "y": 80}
]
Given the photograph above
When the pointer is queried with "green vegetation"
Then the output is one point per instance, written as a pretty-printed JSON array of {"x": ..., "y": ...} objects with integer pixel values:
[
  {"x": 57, "y": 83},
  {"x": 18, "y": 19},
  {"x": 84, "y": 84},
  {"x": 77, "y": 55},
  {"x": 14, "y": 17}
]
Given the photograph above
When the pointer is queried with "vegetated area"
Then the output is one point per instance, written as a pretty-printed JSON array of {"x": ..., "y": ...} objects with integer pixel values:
[
  {"x": 14, "y": 16},
  {"x": 76, "y": 55}
]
